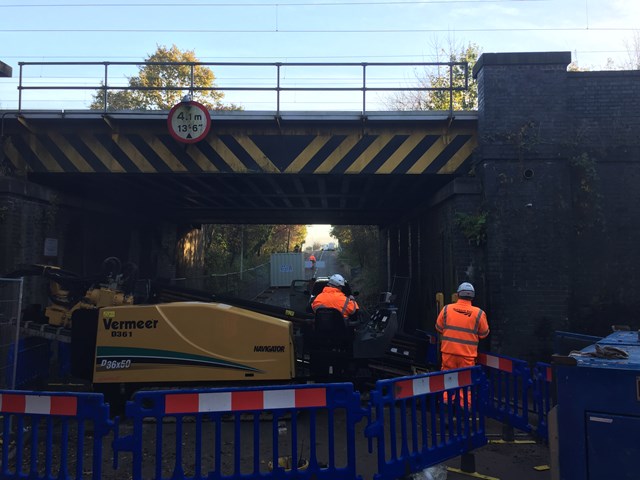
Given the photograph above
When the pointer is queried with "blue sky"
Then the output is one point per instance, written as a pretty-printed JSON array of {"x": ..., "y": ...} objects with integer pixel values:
[{"x": 299, "y": 31}]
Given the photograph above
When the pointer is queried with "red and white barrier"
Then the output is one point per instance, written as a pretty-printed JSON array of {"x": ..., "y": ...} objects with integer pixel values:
[
  {"x": 431, "y": 384},
  {"x": 492, "y": 361},
  {"x": 38, "y": 404},
  {"x": 185, "y": 403}
]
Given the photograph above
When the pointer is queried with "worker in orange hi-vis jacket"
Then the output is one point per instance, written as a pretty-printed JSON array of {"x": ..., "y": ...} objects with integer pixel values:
[
  {"x": 332, "y": 296},
  {"x": 461, "y": 326}
]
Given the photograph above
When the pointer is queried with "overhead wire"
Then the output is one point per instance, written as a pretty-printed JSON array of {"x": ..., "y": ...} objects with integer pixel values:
[
  {"x": 253, "y": 4},
  {"x": 279, "y": 31},
  {"x": 417, "y": 56}
]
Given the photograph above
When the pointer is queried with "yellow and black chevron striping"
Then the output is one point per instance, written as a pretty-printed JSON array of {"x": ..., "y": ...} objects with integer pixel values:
[{"x": 345, "y": 153}]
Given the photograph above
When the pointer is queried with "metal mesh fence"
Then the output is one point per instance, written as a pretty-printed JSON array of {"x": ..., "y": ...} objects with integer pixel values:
[
  {"x": 10, "y": 306},
  {"x": 32, "y": 354},
  {"x": 247, "y": 284}
]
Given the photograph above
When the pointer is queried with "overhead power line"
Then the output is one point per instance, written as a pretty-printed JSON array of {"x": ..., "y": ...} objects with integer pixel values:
[
  {"x": 374, "y": 30},
  {"x": 260, "y": 58},
  {"x": 253, "y": 4}
]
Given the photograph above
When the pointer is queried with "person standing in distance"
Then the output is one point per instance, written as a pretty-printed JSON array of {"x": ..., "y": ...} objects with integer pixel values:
[{"x": 461, "y": 326}]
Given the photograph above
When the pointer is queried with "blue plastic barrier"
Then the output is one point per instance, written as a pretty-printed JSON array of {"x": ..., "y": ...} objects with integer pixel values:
[
  {"x": 52, "y": 435},
  {"x": 509, "y": 387},
  {"x": 417, "y": 426},
  {"x": 542, "y": 377},
  {"x": 274, "y": 432},
  {"x": 267, "y": 426}
]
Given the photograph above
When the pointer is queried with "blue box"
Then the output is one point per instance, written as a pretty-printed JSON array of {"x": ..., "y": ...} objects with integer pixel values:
[{"x": 599, "y": 413}]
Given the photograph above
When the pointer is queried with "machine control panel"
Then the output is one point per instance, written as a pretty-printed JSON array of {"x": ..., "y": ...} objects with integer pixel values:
[{"x": 378, "y": 321}]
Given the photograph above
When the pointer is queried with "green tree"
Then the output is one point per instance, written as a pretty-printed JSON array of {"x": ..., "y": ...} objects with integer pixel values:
[
  {"x": 159, "y": 76},
  {"x": 225, "y": 243},
  {"x": 359, "y": 243},
  {"x": 359, "y": 254},
  {"x": 438, "y": 77}
]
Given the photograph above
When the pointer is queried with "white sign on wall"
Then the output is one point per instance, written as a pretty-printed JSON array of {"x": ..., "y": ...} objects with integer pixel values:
[{"x": 50, "y": 247}]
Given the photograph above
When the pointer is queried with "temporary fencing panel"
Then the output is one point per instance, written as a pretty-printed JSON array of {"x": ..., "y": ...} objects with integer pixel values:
[
  {"x": 542, "y": 377},
  {"x": 509, "y": 386},
  {"x": 426, "y": 419},
  {"x": 303, "y": 431},
  {"x": 53, "y": 435},
  {"x": 33, "y": 362},
  {"x": 271, "y": 432},
  {"x": 10, "y": 308}
]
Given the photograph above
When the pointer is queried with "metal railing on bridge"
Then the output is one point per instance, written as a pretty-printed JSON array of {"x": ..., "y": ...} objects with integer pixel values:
[{"x": 278, "y": 79}]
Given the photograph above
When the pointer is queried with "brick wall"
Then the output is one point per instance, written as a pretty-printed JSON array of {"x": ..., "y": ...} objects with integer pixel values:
[
  {"x": 558, "y": 158},
  {"x": 28, "y": 215},
  {"x": 439, "y": 254},
  {"x": 86, "y": 235},
  {"x": 604, "y": 155}
]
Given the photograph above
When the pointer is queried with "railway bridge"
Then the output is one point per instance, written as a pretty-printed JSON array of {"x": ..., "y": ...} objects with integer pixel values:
[
  {"x": 518, "y": 197},
  {"x": 324, "y": 167}
]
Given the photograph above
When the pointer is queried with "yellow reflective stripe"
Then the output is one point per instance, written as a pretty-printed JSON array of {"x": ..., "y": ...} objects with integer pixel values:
[
  {"x": 458, "y": 340},
  {"x": 462, "y": 329},
  {"x": 475, "y": 329},
  {"x": 344, "y": 307}
]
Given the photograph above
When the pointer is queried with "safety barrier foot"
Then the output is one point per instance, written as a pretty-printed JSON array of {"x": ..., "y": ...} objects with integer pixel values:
[
  {"x": 468, "y": 467},
  {"x": 508, "y": 434}
]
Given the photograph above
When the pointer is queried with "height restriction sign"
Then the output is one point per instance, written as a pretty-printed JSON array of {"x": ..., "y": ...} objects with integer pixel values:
[{"x": 189, "y": 122}]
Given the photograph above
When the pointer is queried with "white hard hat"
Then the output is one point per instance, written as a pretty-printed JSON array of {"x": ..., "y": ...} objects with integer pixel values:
[
  {"x": 466, "y": 290},
  {"x": 336, "y": 280}
]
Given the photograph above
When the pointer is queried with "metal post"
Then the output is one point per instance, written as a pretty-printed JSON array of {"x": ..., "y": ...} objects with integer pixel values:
[
  {"x": 106, "y": 80},
  {"x": 288, "y": 237},
  {"x": 468, "y": 462},
  {"x": 192, "y": 80},
  {"x": 17, "y": 339},
  {"x": 278, "y": 89},
  {"x": 241, "y": 250},
  {"x": 20, "y": 90},
  {"x": 450, "y": 89},
  {"x": 364, "y": 88}
]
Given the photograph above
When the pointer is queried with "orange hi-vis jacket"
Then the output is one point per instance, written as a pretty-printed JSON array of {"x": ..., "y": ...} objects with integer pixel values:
[
  {"x": 332, "y": 297},
  {"x": 461, "y": 325}
]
